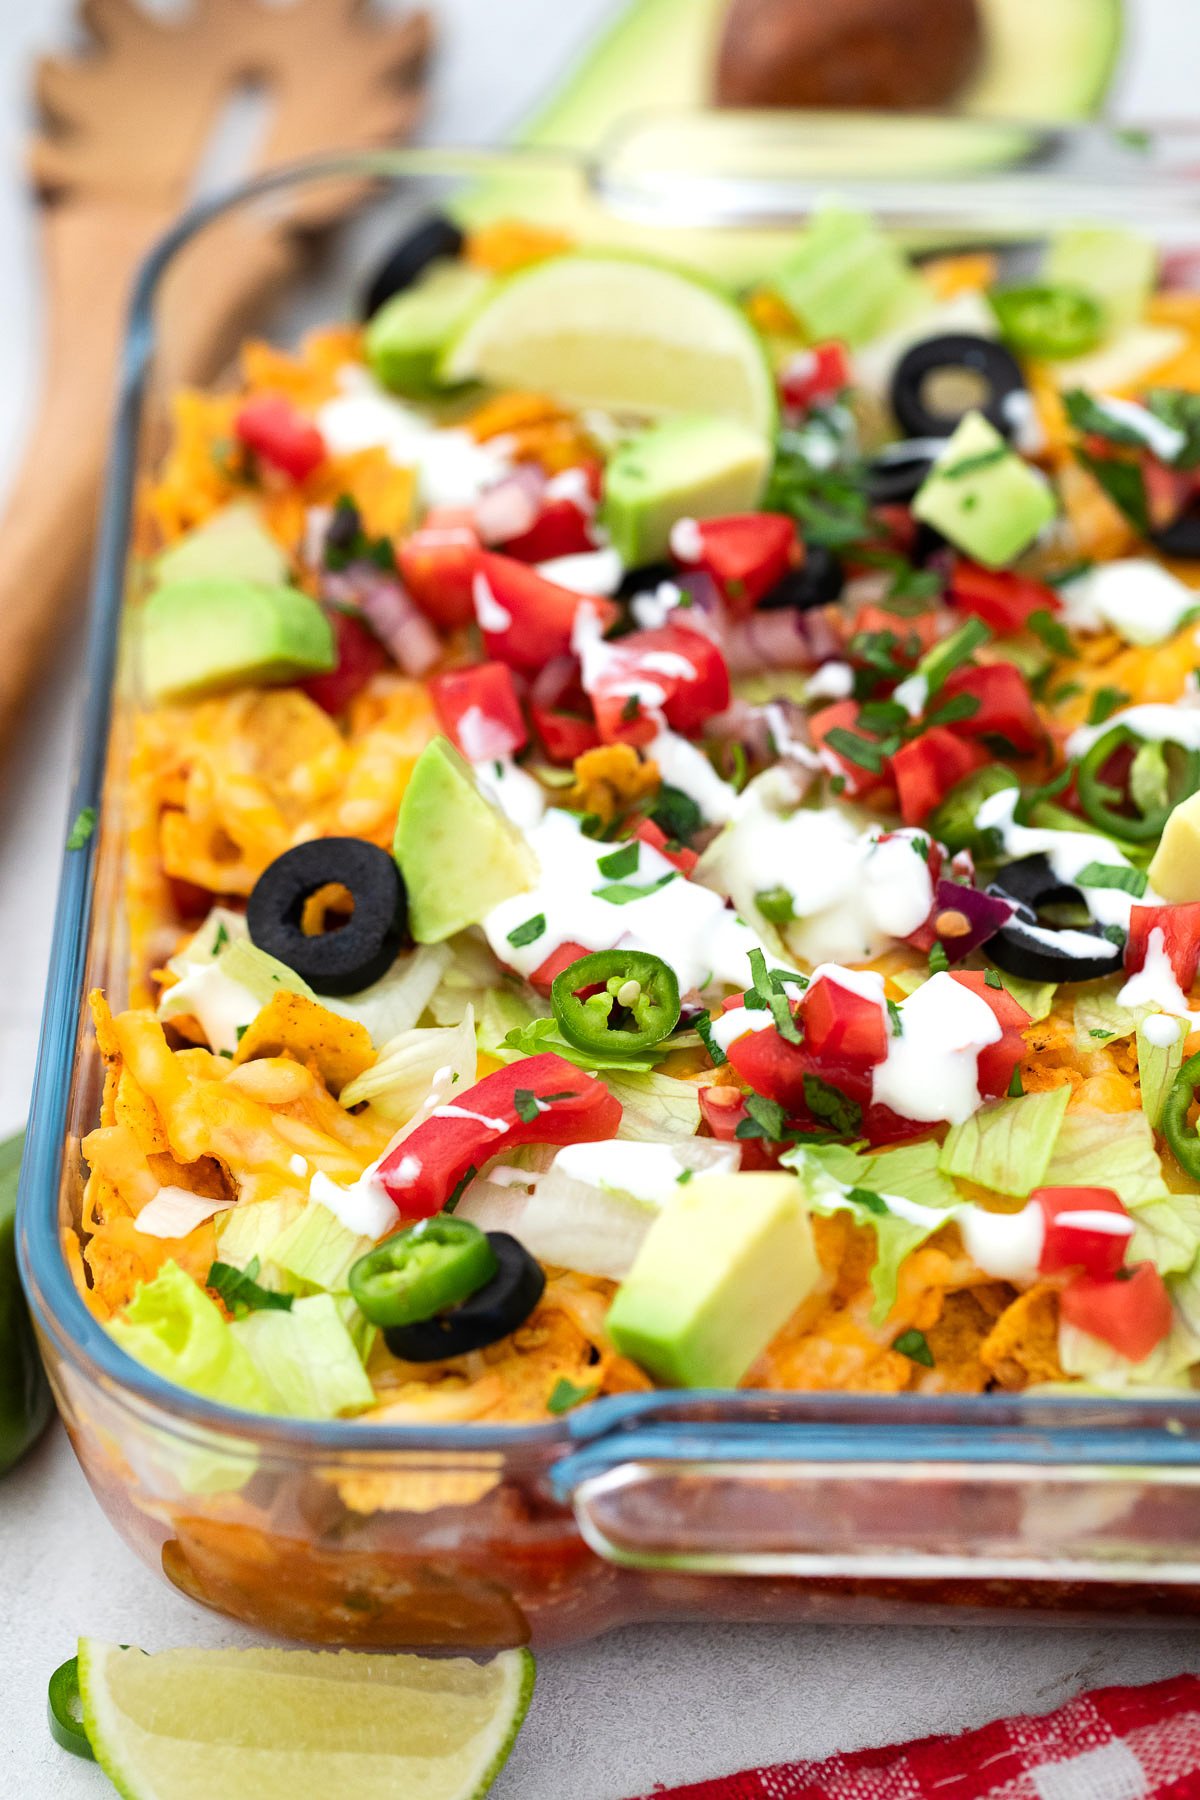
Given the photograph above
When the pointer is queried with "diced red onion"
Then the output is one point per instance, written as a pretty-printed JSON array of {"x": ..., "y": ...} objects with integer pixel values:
[
  {"x": 779, "y": 639},
  {"x": 508, "y": 510},
  {"x": 984, "y": 913},
  {"x": 395, "y": 619}
]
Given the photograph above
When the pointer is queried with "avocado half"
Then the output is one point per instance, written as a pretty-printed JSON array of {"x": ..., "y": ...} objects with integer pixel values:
[{"x": 1045, "y": 60}]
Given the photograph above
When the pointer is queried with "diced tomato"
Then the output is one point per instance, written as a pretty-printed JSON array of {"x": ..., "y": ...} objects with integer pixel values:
[
  {"x": 843, "y": 716},
  {"x": 1076, "y": 1234},
  {"x": 1180, "y": 928},
  {"x": 543, "y": 976},
  {"x": 1006, "y": 707},
  {"x": 684, "y": 859},
  {"x": 723, "y": 1109},
  {"x": 359, "y": 656},
  {"x": 778, "y": 1070},
  {"x": 839, "y": 1022},
  {"x": 1168, "y": 491},
  {"x": 421, "y": 1173},
  {"x": 564, "y": 736},
  {"x": 560, "y": 529},
  {"x": 1131, "y": 1310},
  {"x": 678, "y": 673},
  {"x": 997, "y": 1061},
  {"x": 815, "y": 375},
  {"x": 526, "y": 619},
  {"x": 438, "y": 564},
  {"x": 480, "y": 710},
  {"x": 926, "y": 768},
  {"x": 279, "y": 434},
  {"x": 1003, "y": 600},
  {"x": 747, "y": 554},
  {"x": 895, "y": 530}
]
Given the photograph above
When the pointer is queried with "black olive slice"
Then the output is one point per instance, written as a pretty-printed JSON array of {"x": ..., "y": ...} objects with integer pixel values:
[
  {"x": 646, "y": 578},
  {"x": 351, "y": 955},
  {"x": 434, "y": 237},
  {"x": 895, "y": 473},
  {"x": 1181, "y": 537},
  {"x": 996, "y": 367},
  {"x": 484, "y": 1317},
  {"x": 1036, "y": 952},
  {"x": 819, "y": 580}
]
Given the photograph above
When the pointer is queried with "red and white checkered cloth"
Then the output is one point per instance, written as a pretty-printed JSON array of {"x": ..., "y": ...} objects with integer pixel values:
[{"x": 1117, "y": 1743}]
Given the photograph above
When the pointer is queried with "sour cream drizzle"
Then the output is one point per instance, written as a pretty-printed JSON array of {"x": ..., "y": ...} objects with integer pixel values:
[
  {"x": 1139, "y": 599},
  {"x": 686, "y": 924},
  {"x": 1178, "y": 723}
]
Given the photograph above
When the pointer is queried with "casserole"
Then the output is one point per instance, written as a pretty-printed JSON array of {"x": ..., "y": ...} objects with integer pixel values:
[{"x": 746, "y": 1505}]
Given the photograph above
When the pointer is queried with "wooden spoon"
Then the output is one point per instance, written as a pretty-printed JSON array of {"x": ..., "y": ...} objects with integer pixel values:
[{"x": 124, "y": 127}]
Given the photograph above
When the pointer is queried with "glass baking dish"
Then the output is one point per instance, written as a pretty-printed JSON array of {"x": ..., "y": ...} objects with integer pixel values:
[{"x": 747, "y": 1505}]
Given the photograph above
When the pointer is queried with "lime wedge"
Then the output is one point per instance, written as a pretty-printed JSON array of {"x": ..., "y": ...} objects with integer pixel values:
[
  {"x": 290, "y": 1724},
  {"x": 613, "y": 332}
]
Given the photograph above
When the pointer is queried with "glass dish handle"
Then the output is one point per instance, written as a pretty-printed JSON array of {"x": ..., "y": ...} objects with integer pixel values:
[{"x": 727, "y": 1511}]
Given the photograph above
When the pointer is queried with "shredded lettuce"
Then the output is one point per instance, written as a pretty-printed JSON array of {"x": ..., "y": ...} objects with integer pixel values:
[
  {"x": 1112, "y": 1150},
  {"x": 396, "y": 1001},
  {"x": 174, "y": 1328},
  {"x": 654, "y": 1107},
  {"x": 1167, "y": 1234},
  {"x": 1100, "y": 1020},
  {"x": 591, "y": 1222},
  {"x": 402, "y": 1074},
  {"x": 502, "y": 1011},
  {"x": 1158, "y": 1065},
  {"x": 226, "y": 991},
  {"x": 248, "y": 1231},
  {"x": 471, "y": 973},
  {"x": 1037, "y": 997},
  {"x": 837, "y": 1179},
  {"x": 306, "y": 1358},
  {"x": 1008, "y": 1144},
  {"x": 221, "y": 927},
  {"x": 316, "y": 1250},
  {"x": 844, "y": 278}
]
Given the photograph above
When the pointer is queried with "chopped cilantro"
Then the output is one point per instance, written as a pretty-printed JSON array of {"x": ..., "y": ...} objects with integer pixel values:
[
  {"x": 1113, "y": 875},
  {"x": 525, "y": 1103},
  {"x": 620, "y": 893},
  {"x": 865, "y": 753},
  {"x": 1105, "y": 702},
  {"x": 915, "y": 1346},
  {"x": 776, "y": 904},
  {"x": 868, "y": 1199},
  {"x": 969, "y": 465},
  {"x": 939, "y": 962},
  {"x": 221, "y": 938},
  {"x": 631, "y": 709},
  {"x": 81, "y": 831},
  {"x": 831, "y": 1106},
  {"x": 460, "y": 1189},
  {"x": 896, "y": 1018},
  {"x": 620, "y": 862},
  {"x": 702, "y": 1026},
  {"x": 992, "y": 979},
  {"x": 529, "y": 932},
  {"x": 767, "y": 1119},
  {"x": 1016, "y": 1086},
  {"x": 564, "y": 1395},
  {"x": 676, "y": 813},
  {"x": 1052, "y": 631},
  {"x": 240, "y": 1291}
]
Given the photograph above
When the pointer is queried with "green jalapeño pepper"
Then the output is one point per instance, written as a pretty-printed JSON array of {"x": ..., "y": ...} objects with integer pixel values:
[
  {"x": 24, "y": 1396},
  {"x": 422, "y": 1271},
  {"x": 1117, "y": 810},
  {"x": 1183, "y": 1141},
  {"x": 620, "y": 1001},
  {"x": 1049, "y": 321}
]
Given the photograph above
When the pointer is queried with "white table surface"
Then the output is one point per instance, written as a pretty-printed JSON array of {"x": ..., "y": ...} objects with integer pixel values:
[{"x": 647, "y": 1706}]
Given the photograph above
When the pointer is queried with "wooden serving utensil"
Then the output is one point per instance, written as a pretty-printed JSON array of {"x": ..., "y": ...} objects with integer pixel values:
[{"x": 124, "y": 126}]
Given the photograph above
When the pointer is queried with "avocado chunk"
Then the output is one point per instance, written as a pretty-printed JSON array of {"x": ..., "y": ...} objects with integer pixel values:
[
  {"x": 216, "y": 632},
  {"x": 722, "y": 1268},
  {"x": 1175, "y": 867},
  {"x": 234, "y": 541},
  {"x": 405, "y": 340},
  {"x": 693, "y": 467},
  {"x": 457, "y": 852},
  {"x": 981, "y": 496}
]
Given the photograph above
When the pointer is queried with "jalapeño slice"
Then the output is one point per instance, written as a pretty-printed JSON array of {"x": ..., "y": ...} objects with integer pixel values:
[
  {"x": 621, "y": 1002},
  {"x": 1114, "y": 808},
  {"x": 422, "y": 1270}
]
